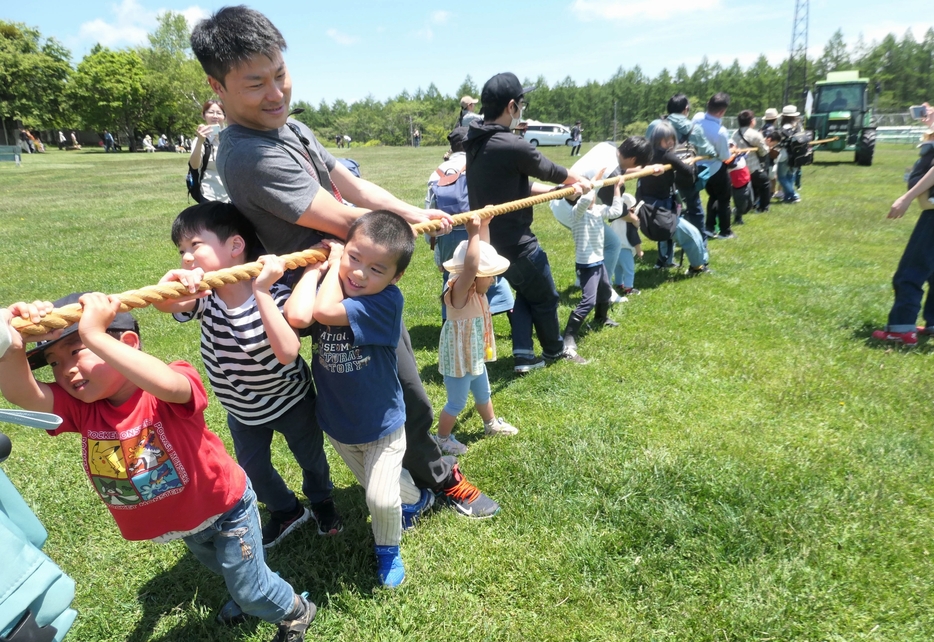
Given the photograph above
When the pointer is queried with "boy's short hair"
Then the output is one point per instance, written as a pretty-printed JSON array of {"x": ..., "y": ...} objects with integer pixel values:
[
  {"x": 775, "y": 134},
  {"x": 221, "y": 219},
  {"x": 389, "y": 230},
  {"x": 745, "y": 117},
  {"x": 231, "y": 36},
  {"x": 123, "y": 322},
  {"x": 718, "y": 102},
  {"x": 637, "y": 147},
  {"x": 678, "y": 103}
]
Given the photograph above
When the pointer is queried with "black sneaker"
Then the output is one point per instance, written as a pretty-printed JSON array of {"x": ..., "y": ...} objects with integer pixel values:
[
  {"x": 294, "y": 630},
  {"x": 525, "y": 363},
  {"x": 466, "y": 498},
  {"x": 281, "y": 524},
  {"x": 326, "y": 516}
]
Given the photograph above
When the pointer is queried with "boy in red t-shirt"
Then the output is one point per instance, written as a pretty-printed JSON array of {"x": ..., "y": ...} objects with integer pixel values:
[{"x": 162, "y": 474}]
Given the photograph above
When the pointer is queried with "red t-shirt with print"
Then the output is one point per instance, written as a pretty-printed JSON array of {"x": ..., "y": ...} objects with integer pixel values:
[{"x": 155, "y": 464}]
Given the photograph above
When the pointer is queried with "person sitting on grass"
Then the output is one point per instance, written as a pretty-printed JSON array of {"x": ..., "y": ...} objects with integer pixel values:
[
  {"x": 658, "y": 190},
  {"x": 358, "y": 310},
  {"x": 588, "y": 226},
  {"x": 252, "y": 359},
  {"x": 916, "y": 266},
  {"x": 147, "y": 450},
  {"x": 467, "y": 340}
]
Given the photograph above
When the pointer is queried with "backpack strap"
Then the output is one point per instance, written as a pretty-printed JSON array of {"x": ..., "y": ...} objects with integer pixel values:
[
  {"x": 449, "y": 178},
  {"x": 320, "y": 169}
]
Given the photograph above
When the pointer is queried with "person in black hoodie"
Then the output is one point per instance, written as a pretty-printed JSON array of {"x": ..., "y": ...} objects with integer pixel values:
[{"x": 499, "y": 165}]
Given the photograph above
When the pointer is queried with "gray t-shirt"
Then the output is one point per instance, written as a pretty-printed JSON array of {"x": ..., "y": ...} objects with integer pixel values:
[{"x": 269, "y": 179}]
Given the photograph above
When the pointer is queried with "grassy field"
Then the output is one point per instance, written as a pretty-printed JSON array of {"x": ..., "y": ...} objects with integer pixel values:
[{"x": 739, "y": 461}]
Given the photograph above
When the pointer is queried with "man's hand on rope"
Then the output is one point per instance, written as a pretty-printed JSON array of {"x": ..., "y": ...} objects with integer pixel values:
[{"x": 447, "y": 223}]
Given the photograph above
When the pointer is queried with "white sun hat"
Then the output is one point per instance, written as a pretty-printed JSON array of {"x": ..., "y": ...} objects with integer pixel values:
[{"x": 491, "y": 263}]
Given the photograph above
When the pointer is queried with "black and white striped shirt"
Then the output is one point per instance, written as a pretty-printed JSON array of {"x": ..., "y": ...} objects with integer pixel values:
[{"x": 248, "y": 380}]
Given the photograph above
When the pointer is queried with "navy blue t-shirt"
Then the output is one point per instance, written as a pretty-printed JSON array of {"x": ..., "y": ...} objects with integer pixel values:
[{"x": 355, "y": 370}]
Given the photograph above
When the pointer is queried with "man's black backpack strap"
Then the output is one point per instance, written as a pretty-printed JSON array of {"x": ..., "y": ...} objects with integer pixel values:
[{"x": 320, "y": 168}]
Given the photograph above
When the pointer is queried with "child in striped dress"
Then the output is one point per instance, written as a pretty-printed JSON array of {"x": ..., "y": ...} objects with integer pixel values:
[{"x": 467, "y": 336}]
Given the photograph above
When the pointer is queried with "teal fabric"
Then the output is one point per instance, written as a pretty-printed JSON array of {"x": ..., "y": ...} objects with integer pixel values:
[{"x": 30, "y": 580}]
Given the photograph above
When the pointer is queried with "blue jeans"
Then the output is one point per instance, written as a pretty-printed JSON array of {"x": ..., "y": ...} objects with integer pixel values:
[
  {"x": 300, "y": 429},
  {"x": 786, "y": 178},
  {"x": 458, "y": 387},
  {"x": 529, "y": 274},
  {"x": 914, "y": 270},
  {"x": 612, "y": 248},
  {"x": 691, "y": 240},
  {"x": 232, "y": 547},
  {"x": 499, "y": 296}
]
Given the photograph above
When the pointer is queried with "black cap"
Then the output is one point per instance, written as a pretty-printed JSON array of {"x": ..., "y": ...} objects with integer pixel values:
[
  {"x": 124, "y": 321},
  {"x": 503, "y": 88},
  {"x": 457, "y": 136}
]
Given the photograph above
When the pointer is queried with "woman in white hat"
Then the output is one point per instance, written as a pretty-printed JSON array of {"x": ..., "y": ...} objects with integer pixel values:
[{"x": 467, "y": 341}]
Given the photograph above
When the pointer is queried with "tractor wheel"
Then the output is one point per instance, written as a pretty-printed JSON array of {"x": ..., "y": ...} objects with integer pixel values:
[{"x": 865, "y": 147}]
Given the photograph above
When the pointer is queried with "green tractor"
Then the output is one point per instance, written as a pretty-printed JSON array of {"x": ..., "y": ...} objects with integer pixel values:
[{"x": 842, "y": 110}]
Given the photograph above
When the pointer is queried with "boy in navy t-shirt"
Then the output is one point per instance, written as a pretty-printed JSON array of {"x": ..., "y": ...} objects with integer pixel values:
[{"x": 358, "y": 315}]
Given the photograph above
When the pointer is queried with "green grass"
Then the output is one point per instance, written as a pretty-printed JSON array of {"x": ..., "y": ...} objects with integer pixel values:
[{"x": 738, "y": 462}]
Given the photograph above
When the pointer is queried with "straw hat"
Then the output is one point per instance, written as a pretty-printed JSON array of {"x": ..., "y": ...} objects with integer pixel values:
[
  {"x": 770, "y": 114},
  {"x": 790, "y": 110},
  {"x": 491, "y": 263}
]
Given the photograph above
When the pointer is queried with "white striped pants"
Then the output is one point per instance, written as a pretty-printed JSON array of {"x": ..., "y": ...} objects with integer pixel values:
[{"x": 377, "y": 465}]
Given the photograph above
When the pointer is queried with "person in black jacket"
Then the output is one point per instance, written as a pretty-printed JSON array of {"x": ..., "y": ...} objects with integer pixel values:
[
  {"x": 499, "y": 165},
  {"x": 659, "y": 190}
]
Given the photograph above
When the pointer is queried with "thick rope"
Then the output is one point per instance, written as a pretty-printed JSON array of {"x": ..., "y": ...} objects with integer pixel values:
[{"x": 133, "y": 299}]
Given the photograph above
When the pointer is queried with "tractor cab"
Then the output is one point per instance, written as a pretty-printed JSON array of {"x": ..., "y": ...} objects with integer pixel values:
[{"x": 842, "y": 111}]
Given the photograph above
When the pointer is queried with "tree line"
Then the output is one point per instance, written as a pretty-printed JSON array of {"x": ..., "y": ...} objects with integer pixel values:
[{"x": 159, "y": 88}]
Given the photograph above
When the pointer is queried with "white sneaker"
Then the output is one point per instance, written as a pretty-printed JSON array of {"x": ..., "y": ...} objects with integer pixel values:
[
  {"x": 449, "y": 445},
  {"x": 499, "y": 427},
  {"x": 616, "y": 298}
]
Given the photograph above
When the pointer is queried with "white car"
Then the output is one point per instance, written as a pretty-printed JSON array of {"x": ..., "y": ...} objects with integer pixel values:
[{"x": 546, "y": 134}]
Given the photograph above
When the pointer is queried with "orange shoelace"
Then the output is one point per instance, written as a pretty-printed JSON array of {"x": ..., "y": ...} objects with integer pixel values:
[{"x": 463, "y": 491}]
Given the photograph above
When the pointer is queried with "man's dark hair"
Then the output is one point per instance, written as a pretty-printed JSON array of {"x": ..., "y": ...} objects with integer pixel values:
[
  {"x": 221, "y": 219},
  {"x": 745, "y": 117},
  {"x": 678, "y": 103},
  {"x": 718, "y": 102},
  {"x": 637, "y": 147},
  {"x": 230, "y": 37},
  {"x": 388, "y": 230},
  {"x": 493, "y": 110}
]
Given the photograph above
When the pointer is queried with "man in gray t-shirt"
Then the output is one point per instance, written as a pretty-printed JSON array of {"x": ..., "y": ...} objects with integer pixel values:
[{"x": 292, "y": 189}]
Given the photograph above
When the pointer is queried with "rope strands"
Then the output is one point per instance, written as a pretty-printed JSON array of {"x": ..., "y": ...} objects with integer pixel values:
[{"x": 133, "y": 299}]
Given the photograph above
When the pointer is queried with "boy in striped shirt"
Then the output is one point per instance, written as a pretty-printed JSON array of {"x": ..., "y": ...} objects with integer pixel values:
[
  {"x": 251, "y": 355},
  {"x": 588, "y": 227}
]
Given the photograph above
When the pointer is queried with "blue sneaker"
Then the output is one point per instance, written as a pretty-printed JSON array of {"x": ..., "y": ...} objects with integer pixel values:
[
  {"x": 412, "y": 512},
  {"x": 389, "y": 566},
  {"x": 231, "y": 614}
]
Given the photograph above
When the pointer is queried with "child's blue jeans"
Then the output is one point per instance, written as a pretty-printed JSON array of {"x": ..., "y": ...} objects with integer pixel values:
[{"x": 232, "y": 547}]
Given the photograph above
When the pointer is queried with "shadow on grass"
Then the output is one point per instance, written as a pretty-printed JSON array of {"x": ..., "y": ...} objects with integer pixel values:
[{"x": 322, "y": 566}]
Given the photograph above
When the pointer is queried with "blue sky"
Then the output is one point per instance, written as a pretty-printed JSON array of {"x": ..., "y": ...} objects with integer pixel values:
[{"x": 349, "y": 50}]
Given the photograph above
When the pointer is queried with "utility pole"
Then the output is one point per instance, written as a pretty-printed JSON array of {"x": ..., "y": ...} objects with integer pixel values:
[
  {"x": 614, "y": 122},
  {"x": 411, "y": 138},
  {"x": 797, "y": 80}
]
